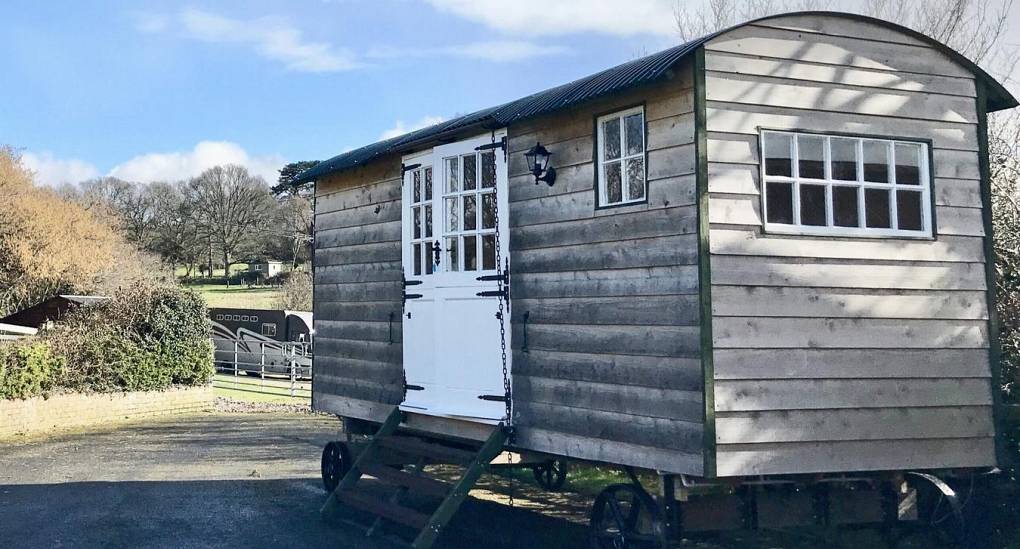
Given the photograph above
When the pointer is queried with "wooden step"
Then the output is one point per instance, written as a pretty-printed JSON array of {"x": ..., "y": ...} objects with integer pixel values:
[
  {"x": 390, "y": 511},
  {"x": 418, "y": 484},
  {"x": 437, "y": 453}
]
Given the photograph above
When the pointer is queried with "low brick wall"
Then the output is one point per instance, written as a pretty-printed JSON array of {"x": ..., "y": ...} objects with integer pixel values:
[{"x": 72, "y": 411}]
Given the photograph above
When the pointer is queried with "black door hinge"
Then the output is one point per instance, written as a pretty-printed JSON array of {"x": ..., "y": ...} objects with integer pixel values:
[{"x": 404, "y": 168}]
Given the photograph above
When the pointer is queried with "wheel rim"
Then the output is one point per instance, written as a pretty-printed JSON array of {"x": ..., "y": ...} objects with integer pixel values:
[
  {"x": 624, "y": 517},
  {"x": 334, "y": 463},
  {"x": 551, "y": 475}
]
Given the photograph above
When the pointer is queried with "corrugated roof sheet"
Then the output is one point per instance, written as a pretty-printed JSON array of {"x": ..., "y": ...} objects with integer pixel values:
[{"x": 639, "y": 71}]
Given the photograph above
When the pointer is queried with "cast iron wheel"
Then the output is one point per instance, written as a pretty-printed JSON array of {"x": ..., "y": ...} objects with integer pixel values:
[
  {"x": 626, "y": 517},
  {"x": 551, "y": 475},
  {"x": 336, "y": 461}
]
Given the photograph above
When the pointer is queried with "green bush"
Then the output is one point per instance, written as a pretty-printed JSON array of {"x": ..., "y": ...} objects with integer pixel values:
[
  {"x": 27, "y": 369},
  {"x": 147, "y": 338}
]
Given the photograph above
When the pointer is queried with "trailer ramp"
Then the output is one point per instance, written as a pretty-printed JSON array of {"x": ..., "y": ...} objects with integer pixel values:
[{"x": 411, "y": 480}]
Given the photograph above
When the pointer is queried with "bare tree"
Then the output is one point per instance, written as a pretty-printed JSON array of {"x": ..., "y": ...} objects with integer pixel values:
[
  {"x": 128, "y": 206},
  {"x": 231, "y": 210}
]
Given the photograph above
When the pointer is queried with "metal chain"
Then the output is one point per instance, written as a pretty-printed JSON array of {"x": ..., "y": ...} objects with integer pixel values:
[{"x": 503, "y": 285}]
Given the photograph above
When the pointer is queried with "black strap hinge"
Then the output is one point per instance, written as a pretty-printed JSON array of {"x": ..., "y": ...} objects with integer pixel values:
[
  {"x": 492, "y": 398},
  {"x": 501, "y": 144},
  {"x": 410, "y": 387},
  {"x": 404, "y": 168},
  {"x": 411, "y": 296},
  {"x": 495, "y": 293}
]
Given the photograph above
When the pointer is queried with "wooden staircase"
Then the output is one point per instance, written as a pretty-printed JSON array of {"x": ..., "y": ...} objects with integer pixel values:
[{"x": 411, "y": 481}]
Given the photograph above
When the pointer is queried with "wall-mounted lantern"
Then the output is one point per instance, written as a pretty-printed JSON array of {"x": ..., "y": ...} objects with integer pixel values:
[{"x": 538, "y": 163}]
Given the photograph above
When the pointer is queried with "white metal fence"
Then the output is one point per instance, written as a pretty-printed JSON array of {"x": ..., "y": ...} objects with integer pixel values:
[
  {"x": 280, "y": 368},
  {"x": 12, "y": 332}
]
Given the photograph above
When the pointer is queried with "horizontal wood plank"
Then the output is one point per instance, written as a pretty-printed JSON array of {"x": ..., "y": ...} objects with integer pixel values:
[
  {"x": 849, "y": 363},
  {"x": 835, "y": 273},
  {"x": 765, "y": 301},
  {"x": 754, "y": 332},
  {"x": 609, "y": 451},
  {"x": 823, "y": 394},
  {"x": 645, "y": 224},
  {"x": 362, "y": 272},
  {"x": 670, "y": 434},
  {"x": 626, "y": 399},
  {"x": 671, "y": 310},
  {"x": 832, "y": 457},
  {"x": 669, "y": 280},
  {"x": 945, "y": 249},
  {"x": 854, "y": 424},
  {"x": 666, "y": 341},
  {"x": 646, "y": 252},
  {"x": 674, "y": 373}
]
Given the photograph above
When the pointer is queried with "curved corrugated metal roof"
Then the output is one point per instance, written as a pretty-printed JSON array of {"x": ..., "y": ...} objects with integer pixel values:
[{"x": 634, "y": 73}]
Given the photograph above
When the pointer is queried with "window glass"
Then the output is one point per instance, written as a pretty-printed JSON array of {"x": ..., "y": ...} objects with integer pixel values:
[
  {"x": 452, "y": 217},
  {"x": 811, "y": 157},
  {"x": 614, "y": 183},
  {"x": 488, "y": 170},
  {"x": 636, "y": 178},
  {"x": 779, "y": 197},
  {"x": 845, "y": 207},
  {"x": 417, "y": 186},
  {"x": 452, "y": 174},
  {"x": 812, "y": 205},
  {"x": 876, "y": 208},
  {"x": 489, "y": 252},
  {"x": 470, "y": 215},
  {"x": 417, "y": 222},
  {"x": 908, "y": 164},
  {"x": 876, "y": 161},
  {"x": 611, "y": 138},
  {"x": 470, "y": 253},
  {"x": 428, "y": 183},
  {"x": 635, "y": 134},
  {"x": 488, "y": 211},
  {"x": 844, "y": 158},
  {"x": 777, "y": 154},
  {"x": 908, "y": 210}
]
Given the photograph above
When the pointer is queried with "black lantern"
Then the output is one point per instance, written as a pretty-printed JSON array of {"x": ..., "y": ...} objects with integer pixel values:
[{"x": 538, "y": 163}]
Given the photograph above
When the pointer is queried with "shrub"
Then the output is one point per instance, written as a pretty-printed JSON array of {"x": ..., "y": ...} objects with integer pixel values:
[
  {"x": 27, "y": 369},
  {"x": 297, "y": 292},
  {"x": 146, "y": 338}
]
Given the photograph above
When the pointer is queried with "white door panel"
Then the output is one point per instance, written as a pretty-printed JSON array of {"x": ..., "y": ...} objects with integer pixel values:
[{"x": 452, "y": 338}]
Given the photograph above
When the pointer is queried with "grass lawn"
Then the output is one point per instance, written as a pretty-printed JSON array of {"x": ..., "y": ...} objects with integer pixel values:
[
  {"x": 253, "y": 389},
  {"x": 219, "y": 295}
]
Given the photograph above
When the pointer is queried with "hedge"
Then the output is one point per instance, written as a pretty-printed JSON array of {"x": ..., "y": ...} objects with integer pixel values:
[{"x": 143, "y": 339}]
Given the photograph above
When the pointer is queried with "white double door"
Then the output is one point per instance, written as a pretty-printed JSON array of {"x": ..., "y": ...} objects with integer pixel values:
[{"x": 451, "y": 336}]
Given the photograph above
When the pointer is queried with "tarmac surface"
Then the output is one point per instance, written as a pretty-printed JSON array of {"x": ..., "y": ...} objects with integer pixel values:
[{"x": 219, "y": 480}]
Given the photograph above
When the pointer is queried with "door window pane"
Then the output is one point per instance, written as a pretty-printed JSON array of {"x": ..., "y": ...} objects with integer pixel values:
[
  {"x": 470, "y": 172},
  {"x": 635, "y": 133},
  {"x": 452, "y": 217},
  {"x": 488, "y": 252},
  {"x": 488, "y": 170},
  {"x": 452, "y": 174},
  {"x": 876, "y": 208},
  {"x": 470, "y": 253},
  {"x": 430, "y": 256},
  {"x": 416, "y": 258},
  {"x": 417, "y": 221},
  {"x": 779, "y": 197},
  {"x": 812, "y": 205},
  {"x": 876, "y": 161},
  {"x": 811, "y": 156},
  {"x": 636, "y": 178},
  {"x": 908, "y": 164},
  {"x": 428, "y": 221},
  {"x": 488, "y": 211},
  {"x": 611, "y": 138},
  {"x": 428, "y": 183},
  {"x": 417, "y": 186},
  {"x": 470, "y": 215},
  {"x": 452, "y": 256},
  {"x": 844, "y": 159},
  {"x": 777, "y": 155},
  {"x": 908, "y": 210},
  {"x": 845, "y": 211},
  {"x": 614, "y": 184}
]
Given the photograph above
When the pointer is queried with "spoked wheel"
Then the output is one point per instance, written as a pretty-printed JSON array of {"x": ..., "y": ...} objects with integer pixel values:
[
  {"x": 625, "y": 517},
  {"x": 336, "y": 461},
  {"x": 551, "y": 475}
]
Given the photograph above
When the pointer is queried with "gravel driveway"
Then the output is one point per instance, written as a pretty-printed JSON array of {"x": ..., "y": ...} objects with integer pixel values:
[{"x": 213, "y": 480}]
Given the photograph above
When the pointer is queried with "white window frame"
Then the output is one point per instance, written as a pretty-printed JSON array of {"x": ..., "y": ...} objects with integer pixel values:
[
  {"x": 599, "y": 145},
  {"x": 830, "y": 229}
]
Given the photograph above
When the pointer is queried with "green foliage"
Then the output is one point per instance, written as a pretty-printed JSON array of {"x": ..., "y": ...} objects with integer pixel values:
[
  {"x": 145, "y": 338},
  {"x": 27, "y": 369}
]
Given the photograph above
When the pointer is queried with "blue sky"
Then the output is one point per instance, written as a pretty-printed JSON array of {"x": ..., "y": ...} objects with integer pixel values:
[{"x": 158, "y": 90}]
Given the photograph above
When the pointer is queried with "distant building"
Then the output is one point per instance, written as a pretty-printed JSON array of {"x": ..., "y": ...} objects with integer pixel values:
[
  {"x": 266, "y": 269},
  {"x": 51, "y": 309}
]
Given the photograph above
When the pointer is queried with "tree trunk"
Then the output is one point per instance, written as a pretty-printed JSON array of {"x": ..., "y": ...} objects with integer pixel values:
[{"x": 226, "y": 266}]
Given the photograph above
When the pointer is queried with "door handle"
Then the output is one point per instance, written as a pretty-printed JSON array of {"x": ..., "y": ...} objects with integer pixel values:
[{"x": 435, "y": 251}]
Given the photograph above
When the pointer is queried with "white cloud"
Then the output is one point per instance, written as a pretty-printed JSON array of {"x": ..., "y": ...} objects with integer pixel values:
[
  {"x": 545, "y": 18},
  {"x": 400, "y": 128},
  {"x": 271, "y": 37},
  {"x": 172, "y": 166},
  {"x": 494, "y": 50},
  {"x": 52, "y": 171}
]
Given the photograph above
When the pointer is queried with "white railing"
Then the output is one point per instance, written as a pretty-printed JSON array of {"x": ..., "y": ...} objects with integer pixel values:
[
  {"x": 12, "y": 332},
  {"x": 282, "y": 368}
]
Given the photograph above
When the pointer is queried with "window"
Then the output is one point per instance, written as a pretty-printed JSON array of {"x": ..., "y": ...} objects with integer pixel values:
[
  {"x": 845, "y": 186},
  {"x": 469, "y": 198},
  {"x": 421, "y": 221},
  {"x": 269, "y": 329},
  {"x": 621, "y": 157}
]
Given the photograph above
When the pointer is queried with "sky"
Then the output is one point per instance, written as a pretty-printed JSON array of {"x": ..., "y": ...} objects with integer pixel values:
[{"x": 160, "y": 90}]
